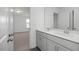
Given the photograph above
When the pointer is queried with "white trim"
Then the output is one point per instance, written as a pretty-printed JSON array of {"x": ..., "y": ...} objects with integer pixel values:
[{"x": 3, "y": 38}]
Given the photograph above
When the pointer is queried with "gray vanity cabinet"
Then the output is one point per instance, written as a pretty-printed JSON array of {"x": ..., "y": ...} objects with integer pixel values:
[
  {"x": 38, "y": 40},
  {"x": 51, "y": 46},
  {"x": 41, "y": 41},
  {"x": 47, "y": 42},
  {"x": 61, "y": 48}
]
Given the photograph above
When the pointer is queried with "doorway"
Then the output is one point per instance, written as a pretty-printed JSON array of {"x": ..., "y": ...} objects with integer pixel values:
[
  {"x": 14, "y": 28},
  {"x": 21, "y": 28}
]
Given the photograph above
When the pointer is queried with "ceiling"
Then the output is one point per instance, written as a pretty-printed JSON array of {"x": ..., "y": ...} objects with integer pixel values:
[{"x": 25, "y": 11}]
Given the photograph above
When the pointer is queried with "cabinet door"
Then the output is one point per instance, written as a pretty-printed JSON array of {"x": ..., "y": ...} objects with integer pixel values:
[
  {"x": 51, "y": 46},
  {"x": 43, "y": 40},
  {"x": 61, "y": 48},
  {"x": 38, "y": 39}
]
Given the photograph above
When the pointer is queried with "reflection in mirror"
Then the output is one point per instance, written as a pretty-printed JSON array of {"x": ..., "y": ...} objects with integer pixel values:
[
  {"x": 55, "y": 20},
  {"x": 71, "y": 20},
  {"x": 61, "y": 19}
]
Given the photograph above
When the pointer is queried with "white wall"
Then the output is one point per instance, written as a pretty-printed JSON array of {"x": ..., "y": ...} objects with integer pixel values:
[
  {"x": 20, "y": 23},
  {"x": 37, "y": 22},
  {"x": 20, "y": 20}
]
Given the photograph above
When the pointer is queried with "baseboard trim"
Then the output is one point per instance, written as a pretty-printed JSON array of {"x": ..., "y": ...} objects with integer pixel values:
[{"x": 20, "y": 32}]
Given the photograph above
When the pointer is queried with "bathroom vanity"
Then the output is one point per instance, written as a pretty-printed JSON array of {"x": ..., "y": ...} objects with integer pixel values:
[
  {"x": 60, "y": 31},
  {"x": 57, "y": 40}
]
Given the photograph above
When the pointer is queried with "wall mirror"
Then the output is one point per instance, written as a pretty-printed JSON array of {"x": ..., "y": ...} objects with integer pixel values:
[
  {"x": 62, "y": 17},
  {"x": 56, "y": 17}
]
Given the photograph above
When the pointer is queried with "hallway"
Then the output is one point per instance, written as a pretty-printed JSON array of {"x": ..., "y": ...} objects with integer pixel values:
[{"x": 21, "y": 41}]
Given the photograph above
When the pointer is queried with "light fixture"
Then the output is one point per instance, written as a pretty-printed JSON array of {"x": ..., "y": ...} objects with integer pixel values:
[
  {"x": 18, "y": 11},
  {"x": 27, "y": 20},
  {"x": 11, "y": 10}
]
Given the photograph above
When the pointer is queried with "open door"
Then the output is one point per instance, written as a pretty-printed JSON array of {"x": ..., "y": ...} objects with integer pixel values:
[
  {"x": 10, "y": 30},
  {"x": 6, "y": 39}
]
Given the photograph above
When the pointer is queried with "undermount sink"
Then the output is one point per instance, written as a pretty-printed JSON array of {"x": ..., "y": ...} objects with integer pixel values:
[{"x": 66, "y": 31}]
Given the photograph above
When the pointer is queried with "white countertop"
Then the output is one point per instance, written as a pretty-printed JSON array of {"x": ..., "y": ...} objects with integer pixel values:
[{"x": 72, "y": 36}]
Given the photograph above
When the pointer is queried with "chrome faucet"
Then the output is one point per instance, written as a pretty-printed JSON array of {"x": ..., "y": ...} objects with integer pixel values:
[
  {"x": 66, "y": 30},
  {"x": 48, "y": 29}
]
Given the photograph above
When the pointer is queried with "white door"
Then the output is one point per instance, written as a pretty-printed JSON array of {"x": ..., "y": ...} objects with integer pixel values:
[
  {"x": 10, "y": 29},
  {"x": 5, "y": 40}
]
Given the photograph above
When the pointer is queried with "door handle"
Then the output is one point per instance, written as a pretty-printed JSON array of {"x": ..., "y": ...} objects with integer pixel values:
[
  {"x": 9, "y": 40},
  {"x": 11, "y": 35}
]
